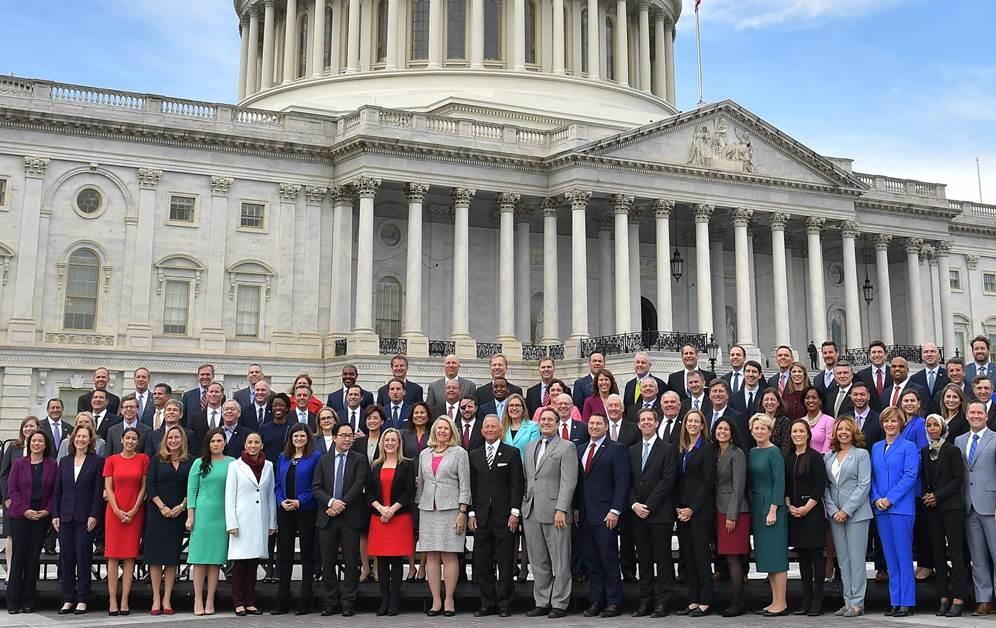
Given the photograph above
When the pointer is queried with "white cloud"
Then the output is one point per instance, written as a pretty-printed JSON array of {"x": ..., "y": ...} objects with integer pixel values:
[{"x": 746, "y": 14}]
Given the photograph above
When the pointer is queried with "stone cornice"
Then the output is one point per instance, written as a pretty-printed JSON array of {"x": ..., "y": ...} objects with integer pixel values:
[
  {"x": 907, "y": 208},
  {"x": 973, "y": 229}
]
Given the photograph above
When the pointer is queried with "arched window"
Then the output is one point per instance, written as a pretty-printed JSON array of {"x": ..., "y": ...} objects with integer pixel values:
[
  {"x": 81, "y": 290},
  {"x": 387, "y": 305},
  {"x": 492, "y": 30},
  {"x": 532, "y": 15},
  {"x": 420, "y": 30},
  {"x": 302, "y": 46},
  {"x": 610, "y": 50},
  {"x": 382, "y": 31},
  {"x": 584, "y": 40},
  {"x": 456, "y": 29},
  {"x": 328, "y": 38}
]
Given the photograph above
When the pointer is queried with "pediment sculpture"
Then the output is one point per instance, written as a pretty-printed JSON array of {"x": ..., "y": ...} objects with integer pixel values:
[{"x": 715, "y": 148}]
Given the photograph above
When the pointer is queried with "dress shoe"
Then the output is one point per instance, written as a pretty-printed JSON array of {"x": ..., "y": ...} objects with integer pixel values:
[
  {"x": 660, "y": 611},
  {"x": 611, "y": 610},
  {"x": 484, "y": 612},
  {"x": 642, "y": 611},
  {"x": 881, "y": 576},
  {"x": 347, "y": 612},
  {"x": 802, "y": 611},
  {"x": 306, "y": 610},
  {"x": 733, "y": 611},
  {"x": 854, "y": 612},
  {"x": 241, "y": 613},
  {"x": 720, "y": 577},
  {"x": 504, "y": 612},
  {"x": 382, "y": 611},
  {"x": 943, "y": 608},
  {"x": 983, "y": 609},
  {"x": 592, "y": 611},
  {"x": 782, "y": 613},
  {"x": 903, "y": 611},
  {"x": 701, "y": 612},
  {"x": 13, "y": 611},
  {"x": 685, "y": 611},
  {"x": 891, "y": 611},
  {"x": 557, "y": 613},
  {"x": 956, "y": 610},
  {"x": 65, "y": 610},
  {"x": 329, "y": 612},
  {"x": 434, "y": 612},
  {"x": 539, "y": 611}
]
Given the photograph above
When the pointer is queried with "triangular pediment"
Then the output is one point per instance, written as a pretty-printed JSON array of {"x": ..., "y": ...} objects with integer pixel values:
[{"x": 726, "y": 138}]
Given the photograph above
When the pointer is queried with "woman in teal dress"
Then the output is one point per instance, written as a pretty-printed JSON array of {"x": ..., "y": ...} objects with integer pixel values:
[
  {"x": 208, "y": 547},
  {"x": 769, "y": 522}
]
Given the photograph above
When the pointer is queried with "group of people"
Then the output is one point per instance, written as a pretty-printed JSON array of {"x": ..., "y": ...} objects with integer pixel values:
[{"x": 590, "y": 481}]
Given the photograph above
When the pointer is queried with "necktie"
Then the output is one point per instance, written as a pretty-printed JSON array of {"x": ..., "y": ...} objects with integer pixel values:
[
  {"x": 637, "y": 396},
  {"x": 466, "y": 435},
  {"x": 781, "y": 383},
  {"x": 591, "y": 454},
  {"x": 395, "y": 416},
  {"x": 750, "y": 400},
  {"x": 491, "y": 456},
  {"x": 452, "y": 411},
  {"x": 141, "y": 404},
  {"x": 340, "y": 469},
  {"x": 540, "y": 451},
  {"x": 930, "y": 381},
  {"x": 228, "y": 435},
  {"x": 302, "y": 416},
  {"x": 715, "y": 417},
  {"x": 214, "y": 419},
  {"x": 647, "y": 405},
  {"x": 615, "y": 431},
  {"x": 861, "y": 422},
  {"x": 827, "y": 378},
  {"x": 564, "y": 432},
  {"x": 56, "y": 434},
  {"x": 695, "y": 403},
  {"x": 159, "y": 419},
  {"x": 736, "y": 382},
  {"x": 878, "y": 382},
  {"x": 259, "y": 415},
  {"x": 971, "y": 450},
  {"x": 544, "y": 395},
  {"x": 895, "y": 395},
  {"x": 667, "y": 429},
  {"x": 204, "y": 400},
  {"x": 646, "y": 454},
  {"x": 840, "y": 399},
  {"x": 352, "y": 421}
]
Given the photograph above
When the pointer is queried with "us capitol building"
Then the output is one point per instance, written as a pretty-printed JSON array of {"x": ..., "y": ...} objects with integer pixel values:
[{"x": 435, "y": 176}]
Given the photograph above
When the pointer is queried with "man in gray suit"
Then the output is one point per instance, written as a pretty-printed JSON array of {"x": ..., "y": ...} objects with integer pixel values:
[
  {"x": 978, "y": 449},
  {"x": 129, "y": 418},
  {"x": 451, "y": 370},
  {"x": 551, "y": 468}
]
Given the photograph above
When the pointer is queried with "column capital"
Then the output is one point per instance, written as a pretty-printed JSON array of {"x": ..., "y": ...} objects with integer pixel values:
[
  {"x": 663, "y": 208},
  {"x": 741, "y": 216},
  {"x": 462, "y": 196},
  {"x": 314, "y": 195},
  {"x": 341, "y": 194},
  {"x": 289, "y": 192},
  {"x": 779, "y": 220},
  {"x": 972, "y": 261},
  {"x": 912, "y": 246},
  {"x": 416, "y": 191},
  {"x": 508, "y": 201},
  {"x": 578, "y": 198},
  {"x": 149, "y": 177},
  {"x": 928, "y": 254},
  {"x": 850, "y": 229},
  {"x": 549, "y": 206},
  {"x": 35, "y": 166},
  {"x": 942, "y": 248},
  {"x": 622, "y": 203},
  {"x": 814, "y": 225},
  {"x": 703, "y": 212},
  {"x": 523, "y": 214},
  {"x": 882, "y": 241},
  {"x": 644, "y": 5},
  {"x": 221, "y": 186},
  {"x": 366, "y": 186}
]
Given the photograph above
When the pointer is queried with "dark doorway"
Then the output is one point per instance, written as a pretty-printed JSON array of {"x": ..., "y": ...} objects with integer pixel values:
[{"x": 648, "y": 316}]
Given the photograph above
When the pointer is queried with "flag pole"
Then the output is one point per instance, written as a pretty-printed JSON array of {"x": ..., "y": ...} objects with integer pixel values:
[
  {"x": 978, "y": 174},
  {"x": 698, "y": 49}
]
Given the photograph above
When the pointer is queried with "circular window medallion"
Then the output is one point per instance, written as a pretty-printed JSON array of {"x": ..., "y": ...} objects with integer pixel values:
[
  {"x": 836, "y": 273},
  {"x": 390, "y": 234},
  {"x": 89, "y": 202}
]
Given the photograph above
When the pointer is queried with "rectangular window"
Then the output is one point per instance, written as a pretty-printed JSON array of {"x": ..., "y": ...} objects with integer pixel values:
[
  {"x": 954, "y": 276},
  {"x": 176, "y": 307},
  {"x": 3, "y": 191},
  {"x": 492, "y": 30},
  {"x": 420, "y": 30},
  {"x": 253, "y": 216},
  {"x": 989, "y": 283},
  {"x": 81, "y": 297},
  {"x": 247, "y": 312},
  {"x": 456, "y": 27},
  {"x": 959, "y": 344},
  {"x": 181, "y": 208}
]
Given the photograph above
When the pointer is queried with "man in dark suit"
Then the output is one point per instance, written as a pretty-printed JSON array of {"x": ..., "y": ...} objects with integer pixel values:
[
  {"x": 649, "y": 399},
  {"x": 468, "y": 425},
  {"x": 54, "y": 426},
  {"x": 980, "y": 364},
  {"x": 245, "y": 395},
  {"x": 900, "y": 369},
  {"x": 626, "y": 433},
  {"x": 103, "y": 418},
  {"x": 783, "y": 358},
  {"x": 300, "y": 413},
  {"x": 258, "y": 412},
  {"x": 599, "y": 501},
  {"x": 499, "y": 367},
  {"x": 670, "y": 418},
  {"x": 877, "y": 376},
  {"x": 399, "y": 370},
  {"x": 584, "y": 386},
  {"x": 343, "y": 514},
  {"x": 840, "y": 403},
  {"x": 634, "y": 387},
  {"x": 129, "y": 419},
  {"x": 824, "y": 381},
  {"x": 496, "y": 486},
  {"x": 398, "y": 409},
  {"x": 146, "y": 406},
  {"x": 748, "y": 399},
  {"x": 171, "y": 416},
  {"x": 536, "y": 396},
  {"x": 212, "y": 415},
  {"x": 698, "y": 399},
  {"x": 161, "y": 393},
  {"x": 337, "y": 399},
  {"x": 450, "y": 404},
  {"x": 101, "y": 377},
  {"x": 736, "y": 377},
  {"x": 496, "y": 405},
  {"x": 195, "y": 399},
  {"x": 567, "y": 428},
  {"x": 235, "y": 433},
  {"x": 653, "y": 469},
  {"x": 719, "y": 399},
  {"x": 933, "y": 378},
  {"x": 678, "y": 380}
]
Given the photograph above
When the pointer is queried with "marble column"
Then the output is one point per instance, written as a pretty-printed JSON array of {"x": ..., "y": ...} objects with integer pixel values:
[
  {"x": 519, "y": 35},
  {"x": 465, "y": 344},
  {"x": 972, "y": 283},
  {"x": 743, "y": 263},
  {"x": 212, "y": 335},
  {"x": 717, "y": 269},
  {"x": 660, "y": 61},
  {"x": 606, "y": 314},
  {"x": 852, "y": 308},
  {"x": 635, "y": 288},
  {"x": 268, "y": 24},
  {"x": 622, "y": 205},
  {"x": 366, "y": 188},
  {"x": 558, "y": 37},
  {"x": 884, "y": 290},
  {"x": 523, "y": 269},
  {"x": 308, "y": 333},
  {"x": 817, "y": 294},
  {"x": 243, "y": 56},
  {"x": 318, "y": 27},
  {"x": 289, "y": 314},
  {"x": 342, "y": 260},
  {"x": 290, "y": 41},
  {"x": 662, "y": 213},
  {"x": 645, "y": 75},
  {"x": 622, "y": 43},
  {"x": 703, "y": 277},
  {"x": 594, "y": 49},
  {"x": 669, "y": 60},
  {"x": 435, "y": 32},
  {"x": 252, "y": 72},
  {"x": 418, "y": 344},
  {"x": 914, "y": 300},
  {"x": 142, "y": 229},
  {"x": 936, "y": 334},
  {"x": 943, "y": 252},
  {"x": 551, "y": 279},
  {"x": 507, "y": 204},
  {"x": 21, "y": 329},
  {"x": 355, "y": 35},
  {"x": 476, "y": 34},
  {"x": 579, "y": 266},
  {"x": 393, "y": 13}
]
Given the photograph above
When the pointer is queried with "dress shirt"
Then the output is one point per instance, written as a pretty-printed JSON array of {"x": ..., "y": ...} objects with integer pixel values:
[
  {"x": 827, "y": 377},
  {"x": 98, "y": 418},
  {"x": 717, "y": 414},
  {"x": 697, "y": 401},
  {"x": 354, "y": 419},
  {"x": 615, "y": 425},
  {"x": 668, "y": 424},
  {"x": 260, "y": 412},
  {"x": 229, "y": 431},
  {"x": 302, "y": 415},
  {"x": 736, "y": 380},
  {"x": 564, "y": 425},
  {"x": 750, "y": 395},
  {"x": 500, "y": 407},
  {"x": 158, "y": 418},
  {"x": 453, "y": 410},
  {"x": 339, "y": 456},
  {"x": 968, "y": 441},
  {"x": 56, "y": 427},
  {"x": 597, "y": 444},
  {"x": 142, "y": 399},
  {"x": 213, "y": 417},
  {"x": 646, "y": 444},
  {"x": 842, "y": 394},
  {"x": 860, "y": 418}
]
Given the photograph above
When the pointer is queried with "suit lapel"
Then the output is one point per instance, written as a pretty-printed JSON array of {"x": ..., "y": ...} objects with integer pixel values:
[{"x": 652, "y": 457}]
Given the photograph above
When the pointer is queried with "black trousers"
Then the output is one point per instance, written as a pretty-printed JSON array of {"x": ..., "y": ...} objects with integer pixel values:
[
  {"x": 812, "y": 565},
  {"x": 921, "y": 538},
  {"x": 389, "y": 572},
  {"x": 653, "y": 555},
  {"x": 627, "y": 547},
  {"x": 946, "y": 529},
  {"x": 333, "y": 537},
  {"x": 494, "y": 543},
  {"x": 292, "y": 525},
  {"x": 694, "y": 538},
  {"x": 27, "y": 538}
]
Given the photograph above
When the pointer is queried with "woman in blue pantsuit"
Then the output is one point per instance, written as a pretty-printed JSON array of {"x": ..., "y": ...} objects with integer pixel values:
[{"x": 895, "y": 467}]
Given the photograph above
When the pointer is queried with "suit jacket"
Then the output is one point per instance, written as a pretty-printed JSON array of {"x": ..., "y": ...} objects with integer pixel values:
[
  {"x": 846, "y": 405},
  {"x": 628, "y": 434},
  {"x": 578, "y": 433},
  {"x": 740, "y": 423},
  {"x": 739, "y": 401},
  {"x": 991, "y": 420},
  {"x": 108, "y": 420},
  {"x": 931, "y": 403},
  {"x": 199, "y": 424},
  {"x": 19, "y": 485},
  {"x": 894, "y": 475},
  {"x": 150, "y": 409},
  {"x": 909, "y": 385},
  {"x": 244, "y": 396},
  {"x": 413, "y": 394},
  {"x": 979, "y": 484},
  {"x": 404, "y": 415},
  {"x": 604, "y": 487},
  {"x": 116, "y": 431},
  {"x": 81, "y": 497},
  {"x": 155, "y": 438},
  {"x": 402, "y": 486},
  {"x": 872, "y": 429},
  {"x": 354, "y": 482},
  {"x": 476, "y": 438},
  {"x": 972, "y": 370},
  {"x": 437, "y": 390},
  {"x": 676, "y": 381},
  {"x": 46, "y": 426},
  {"x": 113, "y": 402},
  {"x": 826, "y": 392},
  {"x": 440, "y": 409},
  {"x": 583, "y": 388},
  {"x": 653, "y": 485},
  {"x": 304, "y": 475},
  {"x": 191, "y": 404},
  {"x": 867, "y": 375},
  {"x": 629, "y": 395},
  {"x": 850, "y": 492},
  {"x": 534, "y": 398},
  {"x": 337, "y": 401},
  {"x": 731, "y": 483},
  {"x": 947, "y": 480},
  {"x": 293, "y": 417},
  {"x": 697, "y": 483},
  {"x": 705, "y": 407},
  {"x": 550, "y": 484},
  {"x": 236, "y": 443},
  {"x": 773, "y": 380},
  {"x": 485, "y": 393},
  {"x": 10, "y": 454},
  {"x": 449, "y": 486},
  {"x": 250, "y": 416},
  {"x": 496, "y": 490},
  {"x": 675, "y": 430},
  {"x": 633, "y": 413}
]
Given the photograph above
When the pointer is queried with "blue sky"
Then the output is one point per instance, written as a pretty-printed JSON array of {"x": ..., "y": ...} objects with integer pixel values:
[{"x": 904, "y": 87}]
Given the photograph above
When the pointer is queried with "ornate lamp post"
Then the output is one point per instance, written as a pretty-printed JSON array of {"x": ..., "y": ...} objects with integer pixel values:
[{"x": 712, "y": 350}]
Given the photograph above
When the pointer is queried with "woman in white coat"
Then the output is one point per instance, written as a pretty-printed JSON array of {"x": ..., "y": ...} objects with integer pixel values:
[{"x": 250, "y": 517}]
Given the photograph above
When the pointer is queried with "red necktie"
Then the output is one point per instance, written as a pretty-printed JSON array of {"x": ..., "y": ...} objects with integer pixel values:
[
  {"x": 587, "y": 462},
  {"x": 564, "y": 433},
  {"x": 895, "y": 395},
  {"x": 878, "y": 382},
  {"x": 204, "y": 400},
  {"x": 466, "y": 435}
]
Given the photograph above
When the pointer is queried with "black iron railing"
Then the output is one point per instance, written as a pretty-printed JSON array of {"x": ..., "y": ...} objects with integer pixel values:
[
  {"x": 538, "y": 352},
  {"x": 487, "y": 350},
  {"x": 393, "y": 346},
  {"x": 341, "y": 346},
  {"x": 643, "y": 341},
  {"x": 441, "y": 348},
  {"x": 912, "y": 353}
]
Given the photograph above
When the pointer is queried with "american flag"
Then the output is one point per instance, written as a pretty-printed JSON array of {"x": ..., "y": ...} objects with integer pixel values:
[{"x": 697, "y": 3}]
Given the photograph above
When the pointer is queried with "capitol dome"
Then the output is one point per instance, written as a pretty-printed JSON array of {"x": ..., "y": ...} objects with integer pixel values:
[{"x": 540, "y": 62}]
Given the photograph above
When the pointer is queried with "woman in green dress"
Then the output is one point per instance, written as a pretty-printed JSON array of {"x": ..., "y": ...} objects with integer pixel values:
[
  {"x": 208, "y": 547},
  {"x": 769, "y": 522}
]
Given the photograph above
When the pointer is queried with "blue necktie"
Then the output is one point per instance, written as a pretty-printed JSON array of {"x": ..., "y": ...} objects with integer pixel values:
[
  {"x": 646, "y": 454},
  {"x": 57, "y": 434},
  {"x": 930, "y": 381},
  {"x": 736, "y": 382},
  {"x": 340, "y": 468},
  {"x": 971, "y": 450}
]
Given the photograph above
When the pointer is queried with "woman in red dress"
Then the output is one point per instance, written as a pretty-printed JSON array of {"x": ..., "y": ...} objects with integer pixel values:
[
  {"x": 390, "y": 489},
  {"x": 124, "y": 485}
]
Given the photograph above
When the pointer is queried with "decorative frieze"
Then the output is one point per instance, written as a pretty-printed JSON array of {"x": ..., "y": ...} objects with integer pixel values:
[
  {"x": 35, "y": 166},
  {"x": 221, "y": 186},
  {"x": 80, "y": 339},
  {"x": 315, "y": 195},
  {"x": 289, "y": 192},
  {"x": 149, "y": 177}
]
